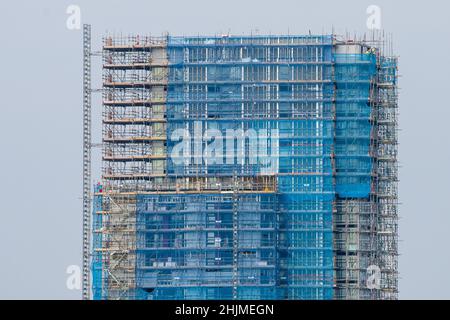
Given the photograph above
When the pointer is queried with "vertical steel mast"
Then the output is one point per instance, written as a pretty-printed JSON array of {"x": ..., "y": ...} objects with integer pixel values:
[{"x": 86, "y": 160}]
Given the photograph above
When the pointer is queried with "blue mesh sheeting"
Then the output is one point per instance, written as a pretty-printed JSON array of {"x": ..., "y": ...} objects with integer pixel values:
[
  {"x": 267, "y": 83},
  {"x": 96, "y": 266},
  {"x": 354, "y": 73},
  {"x": 185, "y": 246}
]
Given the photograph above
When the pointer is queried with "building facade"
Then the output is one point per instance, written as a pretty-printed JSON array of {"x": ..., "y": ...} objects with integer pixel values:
[{"x": 259, "y": 167}]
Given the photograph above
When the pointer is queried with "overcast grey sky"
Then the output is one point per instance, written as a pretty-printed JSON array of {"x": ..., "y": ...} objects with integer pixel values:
[{"x": 40, "y": 135}]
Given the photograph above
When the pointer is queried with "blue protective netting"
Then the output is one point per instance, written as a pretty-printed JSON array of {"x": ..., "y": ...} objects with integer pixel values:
[
  {"x": 96, "y": 266},
  {"x": 227, "y": 88},
  {"x": 185, "y": 246},
  {"x": 354, "y": 73}
]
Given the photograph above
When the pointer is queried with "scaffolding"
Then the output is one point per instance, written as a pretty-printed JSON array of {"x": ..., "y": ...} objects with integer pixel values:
[
  {"x": 87, "y": 140},
  {"x": 305, "y": 221},
  {"x": 386, "y": 105},
  {"x": 365, "y": 223}
]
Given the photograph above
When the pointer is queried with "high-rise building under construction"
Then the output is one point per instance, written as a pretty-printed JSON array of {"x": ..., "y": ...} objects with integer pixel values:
[{"x": 246, "y": 167}]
